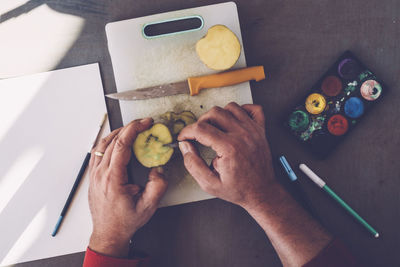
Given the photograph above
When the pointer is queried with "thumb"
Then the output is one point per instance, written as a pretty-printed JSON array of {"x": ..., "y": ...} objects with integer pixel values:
[
  {"x": 198, "y": 168},
  {"x": 154, "y": 189},
  {"x": 132, "y": 189}
]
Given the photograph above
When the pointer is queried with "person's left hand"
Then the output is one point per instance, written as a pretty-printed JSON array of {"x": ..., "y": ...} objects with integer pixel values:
[{"x": 118, "y": 208}]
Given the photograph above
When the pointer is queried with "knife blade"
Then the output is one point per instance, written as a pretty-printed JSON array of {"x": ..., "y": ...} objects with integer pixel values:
[
  {"x": 193, "y": 85},
  {"x": 172, "y": 145}
]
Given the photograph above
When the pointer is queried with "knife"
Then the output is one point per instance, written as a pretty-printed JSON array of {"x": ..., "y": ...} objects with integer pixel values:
[{"x": 193, "y": 85}]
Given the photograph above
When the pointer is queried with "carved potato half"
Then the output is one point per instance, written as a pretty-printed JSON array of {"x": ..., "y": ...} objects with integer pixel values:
[{"x": 149, "y": 146}]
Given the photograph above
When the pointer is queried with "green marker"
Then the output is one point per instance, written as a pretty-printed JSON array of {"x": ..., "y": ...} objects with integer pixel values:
[{"x": 323, "y": 185}]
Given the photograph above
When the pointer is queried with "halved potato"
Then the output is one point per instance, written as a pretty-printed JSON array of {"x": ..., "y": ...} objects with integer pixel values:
[
  {"x": 219, "y": 49},
  {"x": 149, "y": 146}
]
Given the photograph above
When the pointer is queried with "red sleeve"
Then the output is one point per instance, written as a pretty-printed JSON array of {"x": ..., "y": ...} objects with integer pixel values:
[
  {"x": 94, "y": 259},
  {"x": 333, "y": 255}
]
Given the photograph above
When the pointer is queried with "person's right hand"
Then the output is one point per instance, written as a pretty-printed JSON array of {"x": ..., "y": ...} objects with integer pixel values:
[{"x": 242, "y": 171}]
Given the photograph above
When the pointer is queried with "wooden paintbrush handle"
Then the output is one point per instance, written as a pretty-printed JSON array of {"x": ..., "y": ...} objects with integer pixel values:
[{"x": 225, "y": 79}]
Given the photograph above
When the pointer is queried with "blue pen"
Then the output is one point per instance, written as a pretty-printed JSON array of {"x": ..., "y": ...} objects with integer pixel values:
[
  {"x": 78, "y": 179},
  {"x": 298, "y": 191},
  {"x": 288, "y": 169}
]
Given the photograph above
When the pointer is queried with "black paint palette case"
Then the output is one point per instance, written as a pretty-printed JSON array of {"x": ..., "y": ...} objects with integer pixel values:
[{"x": 334, "y": 105}]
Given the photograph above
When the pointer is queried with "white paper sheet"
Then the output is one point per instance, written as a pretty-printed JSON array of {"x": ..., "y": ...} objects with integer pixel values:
[{"x": 47, "y": 123}]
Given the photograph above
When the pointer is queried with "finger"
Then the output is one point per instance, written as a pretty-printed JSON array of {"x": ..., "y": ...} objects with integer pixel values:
[
  {"x": 220, "y": 118},
  {"x": 122, "y": 147},
  {"x": 108, "y": 153},
  {"x": 237, "y": 111},
  {"x": 205, "y": 134},
  {"x": 132, "y": 189},
  {"x": 101, "y": 147},
  {"x": 105, "y": 162},
  {"x": 256, "y": 113},
  {"x": 198, "y": 168},
  {"x": 154, "y": 190}
]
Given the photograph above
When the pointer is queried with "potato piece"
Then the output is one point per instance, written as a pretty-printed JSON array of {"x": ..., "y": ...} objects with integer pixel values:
[
  {"x": 177, "y": 127},
  {"x": 188, "y": 117},
  {"x": 219, "y": 49},
  {"x": 149, "y": 146},
  {"x": 177, "y": 121}
]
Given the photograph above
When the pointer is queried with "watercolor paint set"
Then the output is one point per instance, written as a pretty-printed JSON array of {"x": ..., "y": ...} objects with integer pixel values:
[{"x": 335, "y": 105}]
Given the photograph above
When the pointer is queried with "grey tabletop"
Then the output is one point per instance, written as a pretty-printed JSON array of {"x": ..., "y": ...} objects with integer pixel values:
[{"x": 296, "y": 41}]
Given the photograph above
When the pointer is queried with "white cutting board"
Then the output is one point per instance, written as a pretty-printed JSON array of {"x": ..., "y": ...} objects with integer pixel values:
[{"x": 140, "y": 62}]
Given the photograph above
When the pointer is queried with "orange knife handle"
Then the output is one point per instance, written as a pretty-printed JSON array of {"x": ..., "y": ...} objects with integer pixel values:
[{"x": 225, "y": 79}]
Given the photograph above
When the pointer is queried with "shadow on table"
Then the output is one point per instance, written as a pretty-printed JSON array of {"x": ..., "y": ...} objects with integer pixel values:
[{"x": 73, "y": 7}]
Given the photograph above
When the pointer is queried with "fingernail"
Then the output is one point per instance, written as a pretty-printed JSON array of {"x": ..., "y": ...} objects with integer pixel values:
[
  {"x": 160, "y": 169},
  {"x": 184, "y": 147},
  {"x": 145, "y": 120}
]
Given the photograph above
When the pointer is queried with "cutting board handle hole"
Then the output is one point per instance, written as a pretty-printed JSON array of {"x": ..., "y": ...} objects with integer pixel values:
[{"x": 172, "y": 26}]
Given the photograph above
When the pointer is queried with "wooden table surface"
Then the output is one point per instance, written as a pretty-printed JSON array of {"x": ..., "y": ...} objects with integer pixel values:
[{"x": 296, "y": 41}]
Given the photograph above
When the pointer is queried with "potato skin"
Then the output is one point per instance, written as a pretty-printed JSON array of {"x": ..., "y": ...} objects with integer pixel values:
[
  {"x": 149, "y": 146},
  {"x": 177, "y": 121}
]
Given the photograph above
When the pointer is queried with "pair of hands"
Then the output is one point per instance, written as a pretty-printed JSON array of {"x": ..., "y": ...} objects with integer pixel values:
[{"x": 241, "y": 172}]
